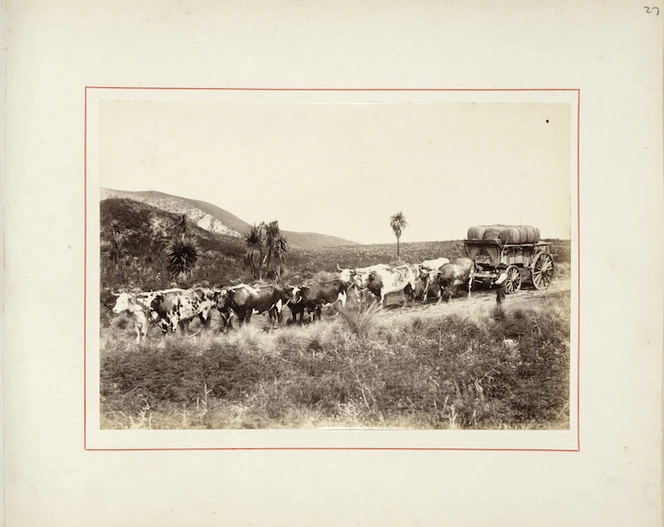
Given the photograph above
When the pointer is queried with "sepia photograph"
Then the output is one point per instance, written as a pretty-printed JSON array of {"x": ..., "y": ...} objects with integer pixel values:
[{"x": 304, "y": 264}]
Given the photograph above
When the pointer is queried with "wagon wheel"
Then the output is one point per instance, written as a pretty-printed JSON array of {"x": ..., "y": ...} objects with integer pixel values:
[
  {"x": 542, "y": 270},
  {"x": 513, "y": 281}
]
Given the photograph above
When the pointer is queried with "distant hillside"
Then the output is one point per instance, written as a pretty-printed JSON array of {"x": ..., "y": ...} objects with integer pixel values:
[
  {"x": 314, "y": 240},
  {"x": 213, "y": 221},
  {"x": 217, "y": 220},
  {"x": 225, "y": 217}
]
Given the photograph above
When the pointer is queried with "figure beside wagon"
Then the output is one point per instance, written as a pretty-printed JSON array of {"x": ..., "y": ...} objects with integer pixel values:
[{"x": 497, "y": 255}]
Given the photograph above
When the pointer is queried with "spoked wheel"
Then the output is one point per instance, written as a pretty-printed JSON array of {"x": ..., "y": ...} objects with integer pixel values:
[
  {"x": 542, "y": 271},
  {"x": 513, "y": 281}
]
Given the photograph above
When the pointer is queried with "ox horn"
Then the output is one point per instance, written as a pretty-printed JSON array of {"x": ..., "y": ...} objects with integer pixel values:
[
  {"x": 339, "y": 268},
  {"x": 114, "y": 293}
]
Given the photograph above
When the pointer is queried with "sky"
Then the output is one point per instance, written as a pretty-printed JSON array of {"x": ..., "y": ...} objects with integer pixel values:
[{"x": 344, "y": 168}]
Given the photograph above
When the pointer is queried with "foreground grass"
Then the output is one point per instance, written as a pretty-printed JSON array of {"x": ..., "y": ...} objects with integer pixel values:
[{"x": 507, "y": 369}]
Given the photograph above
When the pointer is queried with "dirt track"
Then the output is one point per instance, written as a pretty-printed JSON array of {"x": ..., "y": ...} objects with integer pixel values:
[{"x": 480, "y": 301}]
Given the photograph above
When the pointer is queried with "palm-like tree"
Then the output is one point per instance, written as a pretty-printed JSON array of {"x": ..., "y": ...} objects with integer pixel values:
[
  {"x": 271, "y": 235},
  {"x": 181, "y": 257},
  {"x": 398, "y": 223},
  {"x": 118, "y": 238},
  {"x": 253, "y": 255},
  {"x": 275, "y": 248},
  {"x": 182, "y": 252},
  {"x": 265, "y": 249},
  {"x": 182, "y": 226},
  {"x": 279, "y": 248}
]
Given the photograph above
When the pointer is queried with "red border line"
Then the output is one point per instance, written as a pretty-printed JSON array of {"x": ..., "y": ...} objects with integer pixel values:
[
  {"x": 361, "y": 449},
  {"x": 235, "y": 89},
  {"x": 578, "y": 269},
  {"x": 192, "y": 88},
  {"x": 85, "y": 267},
  {"x": 425, "y": 449}
]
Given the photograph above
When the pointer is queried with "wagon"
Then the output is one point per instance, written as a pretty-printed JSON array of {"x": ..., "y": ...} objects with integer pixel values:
[{"x": 515, "y": 250}]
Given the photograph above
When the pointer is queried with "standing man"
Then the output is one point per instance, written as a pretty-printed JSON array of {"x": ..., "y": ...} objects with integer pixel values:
[{"x": 500, "y": 282}]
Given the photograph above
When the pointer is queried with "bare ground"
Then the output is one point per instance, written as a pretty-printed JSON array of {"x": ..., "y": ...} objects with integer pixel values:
[{"x": 480, "y": 302}]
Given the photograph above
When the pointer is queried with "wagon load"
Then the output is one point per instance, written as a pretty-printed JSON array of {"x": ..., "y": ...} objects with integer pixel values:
[
  {"x": 509, "y": 234},
  {"x": 515, "y": 250}
]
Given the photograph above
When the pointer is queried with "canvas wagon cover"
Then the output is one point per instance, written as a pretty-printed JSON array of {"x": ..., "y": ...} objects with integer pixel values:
[{"x": 505, "y": 233}]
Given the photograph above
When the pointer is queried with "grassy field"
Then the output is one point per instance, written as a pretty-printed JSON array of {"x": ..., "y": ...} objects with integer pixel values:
[{"x": 414, "y": 368}]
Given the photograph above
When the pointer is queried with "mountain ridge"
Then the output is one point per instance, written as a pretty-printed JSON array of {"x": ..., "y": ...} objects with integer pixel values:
[{"x": 214, "y": 219}]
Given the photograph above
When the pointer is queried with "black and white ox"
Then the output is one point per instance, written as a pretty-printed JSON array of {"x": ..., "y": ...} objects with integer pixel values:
[
  {"x": 357, "y": 278},
  {"x": 138, "y": 305},
  {"x": 452, "y": 275},
  {"x": 424, "y": 288},
  {"x": 245, "y": 300},
  {"x": 313, "y": 296},
  {"x": 176, "y": 309}
]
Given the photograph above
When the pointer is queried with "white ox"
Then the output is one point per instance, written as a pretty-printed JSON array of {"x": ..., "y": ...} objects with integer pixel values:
[
  {"x": 388, "y": 280},
  {"x": 138, "y": 305},
  {"x": 434, "y": 264}
]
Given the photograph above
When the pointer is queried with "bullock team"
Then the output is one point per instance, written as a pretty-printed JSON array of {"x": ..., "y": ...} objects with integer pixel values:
[{"x": 173, "y": 309}]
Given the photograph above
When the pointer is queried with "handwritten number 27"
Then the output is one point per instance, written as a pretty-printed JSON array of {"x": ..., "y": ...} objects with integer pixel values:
[{"x": 653, "y": 9}]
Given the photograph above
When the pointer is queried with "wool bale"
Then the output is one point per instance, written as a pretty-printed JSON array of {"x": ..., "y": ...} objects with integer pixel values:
[
  {"x": 509, "y": 234},
  {"x": 476, "y": 232},
  {"x": 533, "y": 234},
  {"x": 492, "y": 232}
]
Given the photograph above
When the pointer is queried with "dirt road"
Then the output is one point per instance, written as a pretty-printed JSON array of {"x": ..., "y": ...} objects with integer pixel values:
[{"x": 479, "y": 303}]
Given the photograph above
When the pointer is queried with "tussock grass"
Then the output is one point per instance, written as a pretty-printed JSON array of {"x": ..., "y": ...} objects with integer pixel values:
[{"x": 361, "y": 322}]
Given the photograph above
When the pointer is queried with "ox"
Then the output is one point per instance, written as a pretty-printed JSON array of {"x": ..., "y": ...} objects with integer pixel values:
[
  {"x": 223, "y": 306},
  {"x": 178, "y": 308},
  {"x": 451, "y": 275},
  {"x": 358, "y": 278},
  {"x": 244, "y": 300},
  {"x": 138, "y": 306},
  {"x": 424, "y": 287},
  {"x": 434, "y": 264},
  {"x": 296, "y": 305},
  {"x": 316, "y": 295},
  {"x": 388, "y": 280}
]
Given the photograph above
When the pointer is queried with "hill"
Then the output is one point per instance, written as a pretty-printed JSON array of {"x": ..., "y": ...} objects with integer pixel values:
[
  {"x": 134, "y": 239},
  {"x": 217, "y": 220}
]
